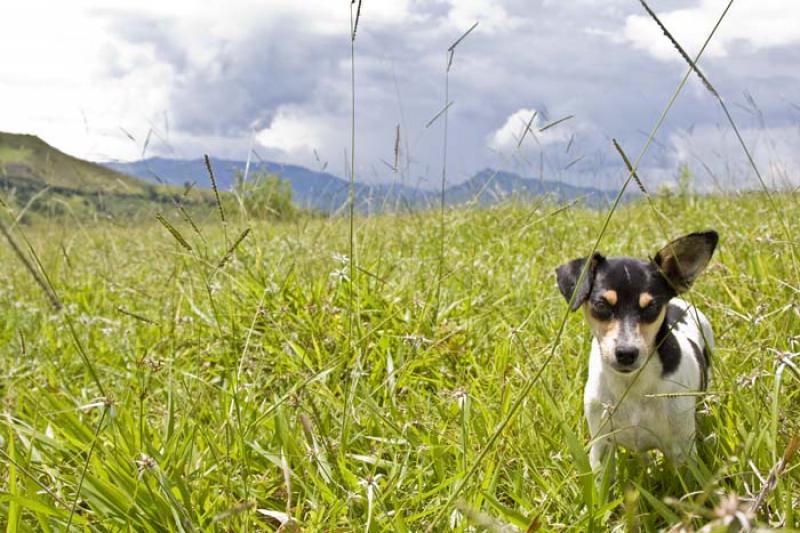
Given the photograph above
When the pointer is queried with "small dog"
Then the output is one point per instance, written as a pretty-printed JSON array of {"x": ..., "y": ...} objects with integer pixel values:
[{"x": 651, "y": 350}]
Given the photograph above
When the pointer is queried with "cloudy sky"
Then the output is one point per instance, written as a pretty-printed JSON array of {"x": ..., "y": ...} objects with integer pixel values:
[{"x": 97, "y": 78}]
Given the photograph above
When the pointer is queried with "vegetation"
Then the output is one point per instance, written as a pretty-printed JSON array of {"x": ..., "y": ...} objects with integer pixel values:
[
  {"x": 265, "y": 195},
  {"x": 221, "y": 387}
]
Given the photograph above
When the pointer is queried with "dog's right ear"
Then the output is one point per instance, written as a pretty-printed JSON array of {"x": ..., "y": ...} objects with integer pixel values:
[
  {"x": 682, "y": 260},
  {"x": 568, "y": 274}
]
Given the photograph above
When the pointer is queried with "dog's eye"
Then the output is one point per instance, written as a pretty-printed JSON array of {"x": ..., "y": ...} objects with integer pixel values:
[
  {"x": 601, "y": 309},
  {"x": 651, "y": 312}
]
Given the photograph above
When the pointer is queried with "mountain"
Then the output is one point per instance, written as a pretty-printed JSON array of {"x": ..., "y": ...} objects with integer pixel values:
[
  {"x": 310, "y": 189},
  {"x": 328, "y": 193},
  {"x": 29, "y": 167},
  {"x": 492, "y": 186}
]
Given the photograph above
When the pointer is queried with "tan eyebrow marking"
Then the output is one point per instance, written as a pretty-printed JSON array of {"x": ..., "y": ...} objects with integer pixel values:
[
  {"x": 600, "y": 328},
  {"x": 645, "y": 299},
  {"x": 610, "y": 296}
]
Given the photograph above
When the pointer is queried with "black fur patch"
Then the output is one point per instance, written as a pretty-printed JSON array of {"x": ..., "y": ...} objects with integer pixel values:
[
  {"x": 702, "y": 361},
  {"x": 676, "y": 315},
  {"x": 669, "y": 351}
]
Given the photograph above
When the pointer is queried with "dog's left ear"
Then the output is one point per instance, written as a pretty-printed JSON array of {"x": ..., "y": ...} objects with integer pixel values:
[
  {"x": 568, "y": 274},
  {"x": 682, "y": 260}
]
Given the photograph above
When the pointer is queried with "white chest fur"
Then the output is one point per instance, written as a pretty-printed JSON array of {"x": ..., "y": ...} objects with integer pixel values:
[{"x": 647, "y": 409}]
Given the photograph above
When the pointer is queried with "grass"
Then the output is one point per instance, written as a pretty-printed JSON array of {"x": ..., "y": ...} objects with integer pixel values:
[{"x": 225, "y": 386}]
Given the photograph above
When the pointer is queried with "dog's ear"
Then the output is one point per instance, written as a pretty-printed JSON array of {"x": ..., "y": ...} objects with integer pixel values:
[
  {"x": 568, "y": 274},
  {"x": 682, "y": 260}
]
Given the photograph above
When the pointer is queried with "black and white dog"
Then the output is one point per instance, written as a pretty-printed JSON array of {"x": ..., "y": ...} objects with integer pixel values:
[{"x": 651, "y": 350}]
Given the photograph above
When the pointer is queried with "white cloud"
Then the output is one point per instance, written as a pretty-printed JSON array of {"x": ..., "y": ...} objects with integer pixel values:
[
  {"x": 76, "y": 79},
  {"x": 506, "y": 138},
  {"x": 56, "y": 83},
  {"x": 293, "y": 132},
  {"x": 717, "y": 159},
  {"x": 762, "y": 24},
  {"x": 489, "y": 13}
]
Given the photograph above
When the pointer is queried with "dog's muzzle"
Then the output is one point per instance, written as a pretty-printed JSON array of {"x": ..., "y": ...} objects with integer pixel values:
[{"x": 626, "y": 357}]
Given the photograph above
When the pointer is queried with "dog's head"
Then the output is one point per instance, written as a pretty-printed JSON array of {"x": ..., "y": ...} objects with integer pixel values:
[{"x": 624, "y": 299}]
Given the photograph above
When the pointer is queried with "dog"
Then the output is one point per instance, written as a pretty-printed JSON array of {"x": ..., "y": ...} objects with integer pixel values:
[{"x": 651, "y": 351}]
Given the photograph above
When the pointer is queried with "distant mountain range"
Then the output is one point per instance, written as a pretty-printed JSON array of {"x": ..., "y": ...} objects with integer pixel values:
[
  {"x": 29, "y": 167},
  {"x": 328, "y": 193},
  {"x": 310, "y": 189},
  {"x": 491, "y": 186}
]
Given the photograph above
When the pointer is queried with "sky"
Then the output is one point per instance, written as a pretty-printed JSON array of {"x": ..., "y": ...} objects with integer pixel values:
[{"x": 129, "y": 79}]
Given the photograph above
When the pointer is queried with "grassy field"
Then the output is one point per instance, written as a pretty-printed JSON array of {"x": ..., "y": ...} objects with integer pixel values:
[{"x": 173, "y": 392}]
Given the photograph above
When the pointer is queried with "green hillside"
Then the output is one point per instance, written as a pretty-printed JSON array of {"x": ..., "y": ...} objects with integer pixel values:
[
  {"x": 28, "y": 158},
  {"x": 52, "y": 182},
  {"x": 219, "y": 384}
]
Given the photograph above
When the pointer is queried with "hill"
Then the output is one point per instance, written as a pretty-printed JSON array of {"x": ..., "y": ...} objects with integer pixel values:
[{"x": 29, "y": 168}]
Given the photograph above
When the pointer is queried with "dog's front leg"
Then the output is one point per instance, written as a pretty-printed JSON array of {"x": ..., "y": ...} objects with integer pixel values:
[
  {"x": 598, "y": 428},
  {"x": 599, "y": 452},
  {"x": 681, "y": 450},
  {"x": 678, "y": 443}
]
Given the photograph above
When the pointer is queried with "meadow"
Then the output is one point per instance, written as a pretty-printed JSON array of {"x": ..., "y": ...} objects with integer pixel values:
[{"x": 192, "y": 381}]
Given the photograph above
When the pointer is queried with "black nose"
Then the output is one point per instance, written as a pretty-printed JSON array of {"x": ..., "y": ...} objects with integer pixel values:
[{"x": 626, "y": 356}]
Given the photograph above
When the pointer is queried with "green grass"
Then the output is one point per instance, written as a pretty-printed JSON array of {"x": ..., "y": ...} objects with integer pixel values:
[{"x": 224, "y": 388}]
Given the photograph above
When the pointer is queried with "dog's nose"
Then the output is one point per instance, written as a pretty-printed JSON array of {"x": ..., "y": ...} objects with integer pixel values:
[{"x": 626, "y": 355}]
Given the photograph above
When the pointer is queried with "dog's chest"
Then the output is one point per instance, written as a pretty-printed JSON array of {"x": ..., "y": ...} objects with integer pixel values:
[
  {"x": 642, "y": 415},
  {"x": 640, "y": 423}
]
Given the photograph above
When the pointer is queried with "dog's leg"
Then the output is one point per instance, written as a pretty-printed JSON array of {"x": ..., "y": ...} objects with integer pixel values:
[
  {"x": 679, "y": 442},
  {"x": 682, "y": 446},
  {"x": 599, "y": 452},
  {"x": 596, "y": 413},
  {"x": 680, "y": 452}
]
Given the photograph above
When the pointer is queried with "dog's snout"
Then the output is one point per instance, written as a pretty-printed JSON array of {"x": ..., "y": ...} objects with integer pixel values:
[{"x": 626, "y": 355}]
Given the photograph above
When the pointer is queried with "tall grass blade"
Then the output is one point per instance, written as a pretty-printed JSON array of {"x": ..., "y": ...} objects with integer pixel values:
[
  {"x": 37, "y": 277},
  {"x": 214, "y": 187},
  {"x": 351, "y": 198},
  {"x": 629, "y": 167},
  {"x": 555, "y": 123},
  {"x": 233, "y": 248},
  {"x": 778, "y": 470},
  {"x": 137, "y": 316},
  {"x": 174, "y": 231},
  {"x": 527, "y": 129},
  {"x": 452, "y": 49},
  {"x": 86, "y": 468}
]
